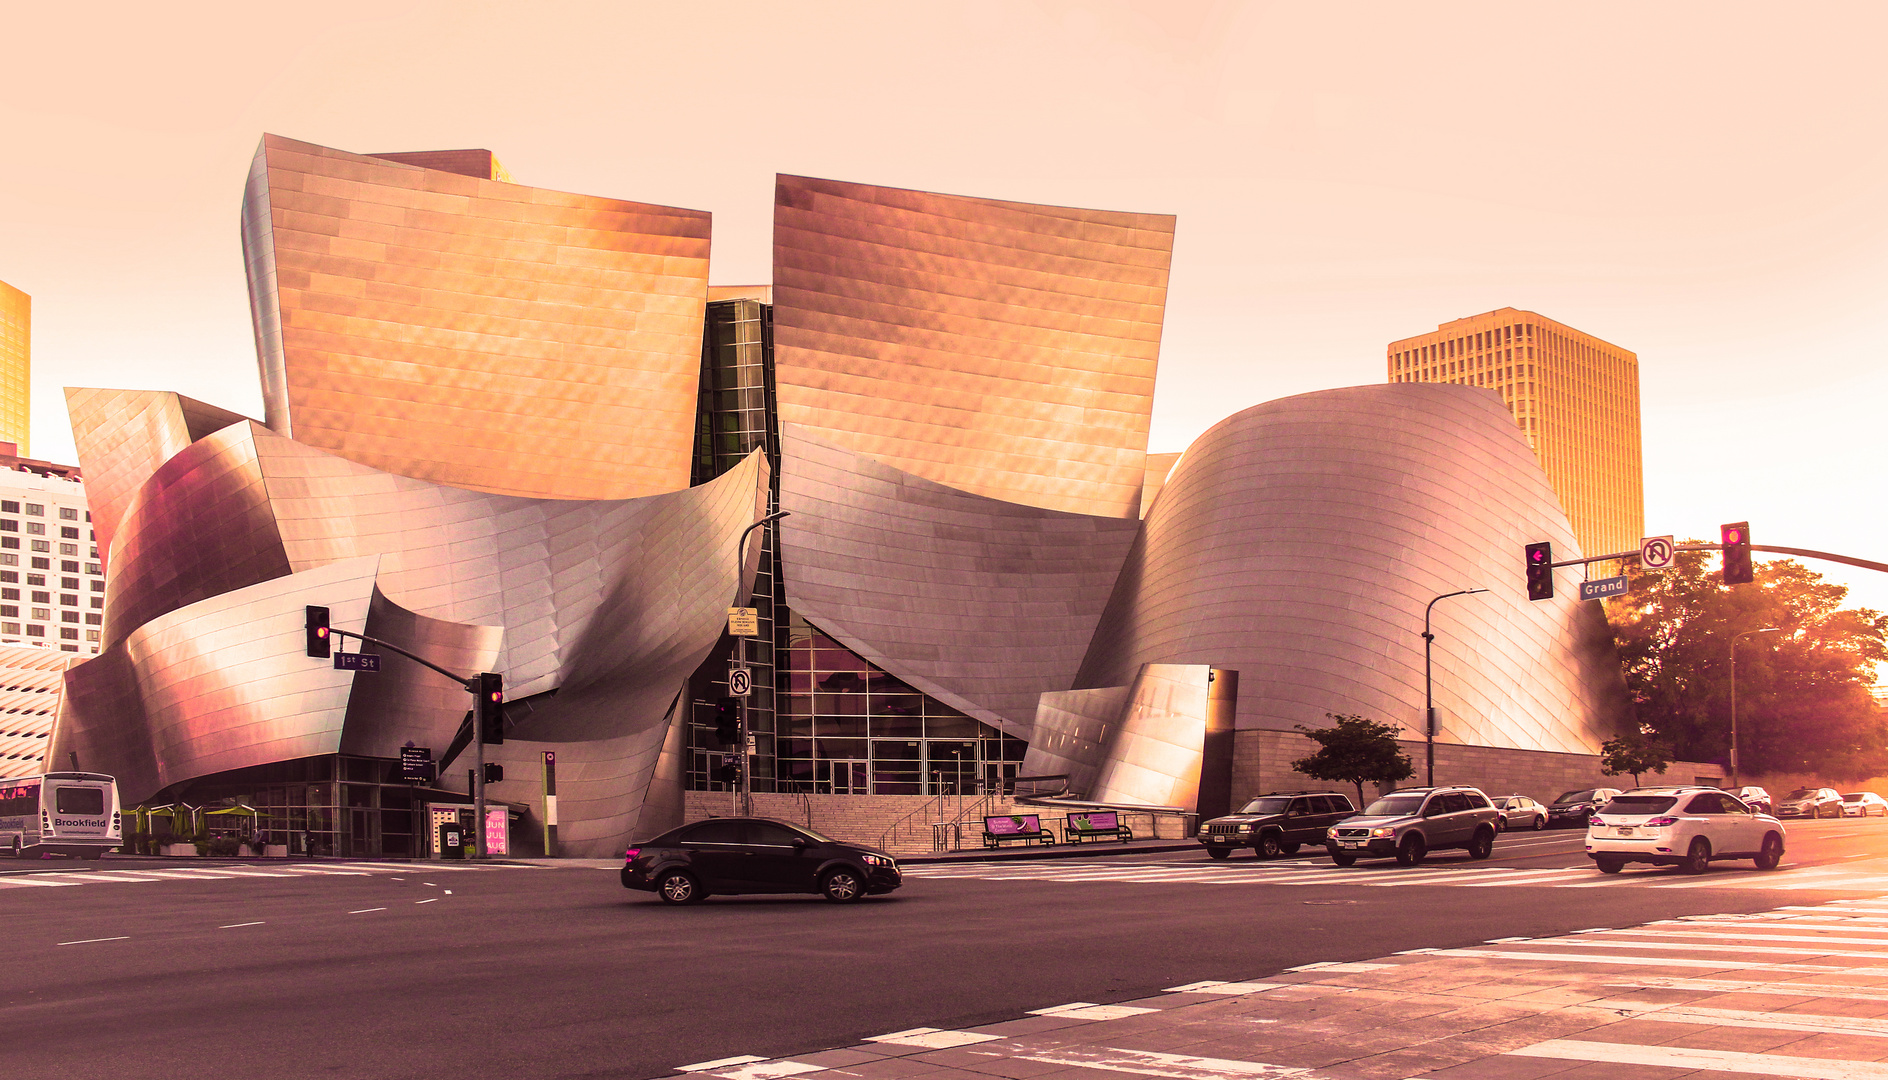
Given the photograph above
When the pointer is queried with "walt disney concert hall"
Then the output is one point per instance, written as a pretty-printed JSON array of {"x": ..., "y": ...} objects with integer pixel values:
[{"x": 516, "y": 430}]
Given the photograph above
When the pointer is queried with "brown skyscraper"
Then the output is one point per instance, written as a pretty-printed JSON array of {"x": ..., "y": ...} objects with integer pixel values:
[{"x": 1576, "y": 398}]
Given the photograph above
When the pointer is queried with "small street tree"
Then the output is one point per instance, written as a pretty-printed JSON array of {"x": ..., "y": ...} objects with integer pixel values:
[
  {"x": 1355, "y": 750},
  {"x": 1635, "y": 753}
]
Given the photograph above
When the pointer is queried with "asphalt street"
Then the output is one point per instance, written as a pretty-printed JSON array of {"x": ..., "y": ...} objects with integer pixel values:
[{"x": 422, "y": 971}]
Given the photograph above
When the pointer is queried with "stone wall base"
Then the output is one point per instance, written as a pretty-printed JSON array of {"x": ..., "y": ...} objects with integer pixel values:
[{"x": 1262, "y": 763}]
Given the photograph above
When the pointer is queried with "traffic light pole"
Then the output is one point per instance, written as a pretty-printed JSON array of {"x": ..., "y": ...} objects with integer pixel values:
[
  {"x": 1429, "y": 699},
  {"x": 740, "y": 652}
]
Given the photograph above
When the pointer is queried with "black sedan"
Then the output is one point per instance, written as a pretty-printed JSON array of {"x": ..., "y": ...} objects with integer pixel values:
[{"x": 755, "y": 855}]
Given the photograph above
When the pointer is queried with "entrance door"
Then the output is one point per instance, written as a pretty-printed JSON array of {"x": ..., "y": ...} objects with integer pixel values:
[{"x": 849, "y": 777}]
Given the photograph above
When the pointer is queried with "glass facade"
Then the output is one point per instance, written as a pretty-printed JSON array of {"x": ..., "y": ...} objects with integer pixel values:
[
  {"x": 823, "y": 720},
  {"x": 332, "y": 805}
]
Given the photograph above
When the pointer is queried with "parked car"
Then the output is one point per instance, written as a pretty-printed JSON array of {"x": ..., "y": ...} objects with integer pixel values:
[
  {"x": 755, "y": 855},
  {"x": 1520, "y": 812},
  {"x": 1756, "y": 798},
  {"x": 1686, "y": 827},
  {"x": 1409, "y": 824},
  {"x": 1276, "y": 824},
  {"x": 1810, "y": 802},
  {"x": 1575, "y": 807},
  {"x": 1864, "y": 804}
]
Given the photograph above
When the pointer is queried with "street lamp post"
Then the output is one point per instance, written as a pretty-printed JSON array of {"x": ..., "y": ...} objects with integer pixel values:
[
  {"x": 740, "y": 660},
  {"x": 1429, "y": 700},
  {"x": 1734, "y": 641}
]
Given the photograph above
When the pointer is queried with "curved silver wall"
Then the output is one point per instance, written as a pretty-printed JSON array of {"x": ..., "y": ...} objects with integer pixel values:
[
  {"x": 1298, "y": 542},
  {"x": 982, "y": 604}
]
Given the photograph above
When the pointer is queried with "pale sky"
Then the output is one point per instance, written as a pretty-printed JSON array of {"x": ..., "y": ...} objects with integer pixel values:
[{"x": 1705, "y": 184}]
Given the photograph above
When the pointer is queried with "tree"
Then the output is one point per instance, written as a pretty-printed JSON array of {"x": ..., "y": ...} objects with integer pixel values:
[
  {"x": 1802, "y": 696},
  {"x": 1354, "y": 750},
  {"x": 1634, "y": 752}
]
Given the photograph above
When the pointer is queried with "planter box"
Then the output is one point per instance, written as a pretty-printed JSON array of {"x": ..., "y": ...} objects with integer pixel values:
[
  {"x": 177, "y": 849},
  {"x": 275, "y": 851}
]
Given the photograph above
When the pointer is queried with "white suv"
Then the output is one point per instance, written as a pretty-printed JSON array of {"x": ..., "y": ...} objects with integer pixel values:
[{"x": 1685, "y": 827}]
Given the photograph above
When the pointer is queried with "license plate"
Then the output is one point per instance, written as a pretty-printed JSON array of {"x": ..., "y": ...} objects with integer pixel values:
[
  {"x": 1350, "y": 843},
  {"x": 1624, "y": 832}
]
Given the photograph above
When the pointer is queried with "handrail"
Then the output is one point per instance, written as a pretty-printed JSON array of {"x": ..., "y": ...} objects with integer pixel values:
[{"x": 931, "y": 808}]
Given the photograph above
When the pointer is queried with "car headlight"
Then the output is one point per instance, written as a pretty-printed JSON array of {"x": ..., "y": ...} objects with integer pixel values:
[
  {"x": 879, "y": 860},
  {"x": 1387, "y": 830}
]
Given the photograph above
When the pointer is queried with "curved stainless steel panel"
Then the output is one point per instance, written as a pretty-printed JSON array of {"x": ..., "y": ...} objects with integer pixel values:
[
  {"x": 473, "y": 332},
  {"x": 1004, "y": 349},
  {"x": 1299, "y": 541},
  {"x": 982, "y": 604},
  {"x": 123, "y": 436}
]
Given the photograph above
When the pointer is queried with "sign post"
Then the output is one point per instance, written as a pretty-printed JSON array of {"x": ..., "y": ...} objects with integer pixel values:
[{"x": 550, "y": 804}]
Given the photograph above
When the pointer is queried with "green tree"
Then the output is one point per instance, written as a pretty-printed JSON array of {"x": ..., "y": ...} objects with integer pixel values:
[
  {"x": 1634, "y": 752},
  {"x": 1802, "y": 696},
  {"x": 1354, "y": 750}
]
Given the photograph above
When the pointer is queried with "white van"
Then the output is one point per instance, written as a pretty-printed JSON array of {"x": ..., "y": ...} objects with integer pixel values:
[{"x": 62, "y": 813}]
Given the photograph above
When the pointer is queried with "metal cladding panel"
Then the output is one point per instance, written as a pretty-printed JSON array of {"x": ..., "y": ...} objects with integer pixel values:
[
  {"x": 1004, "y": 349},
  {"x": 407, "y": 701},
  {"x": 1072, "y": 731},
  {"x": 1154, "y": 754},
  {"x": 225, "y": 683},
  {"x": 982, "y": 604},
  {"x": 472, "y": 332},
  {"x": 124, "y": 436},
  {"x": 1299, "y": 541},
  {"x": 198, "y": 527}
]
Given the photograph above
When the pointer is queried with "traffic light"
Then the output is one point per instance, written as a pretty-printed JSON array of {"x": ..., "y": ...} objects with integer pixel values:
[
  {"x": 319, "y": 643},
  {"x": 727, "y": 722},
  {"x": 1736, "y": 537},
  {"x": 730, "y": 769},
  {"x": 491, "y": 707},
  {"x": 1540, "y": 571},
  {"x": 494, "y": 772}
]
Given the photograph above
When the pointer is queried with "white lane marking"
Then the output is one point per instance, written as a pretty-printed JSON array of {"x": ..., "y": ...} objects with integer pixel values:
[
  {"x": 95, "y": 940},
  {"x": 235, "y": 925},
  {"x": 1842, "y": 991},
  {"x": 768, "y": 1070},
  {"x": 34, "y": 880},
  {"x": 1226, "y": 989},
  {"x": 1652, "y": 961},
  {"x": 1671, "y": 1057},
  {"x": 1748, "y": 1018},
  {"x": 433, "y": 900},
  {"x": 1760, "y": 937},
  {"x": 932, "y": 1038},
  {"x": 704, "y": 1066},
  {"x": 1336, "y": 968},
  {"x": 1149, "y": 1063},
  {"x": 1693, "y": 946},
  {"x": 365, "y": 910}
]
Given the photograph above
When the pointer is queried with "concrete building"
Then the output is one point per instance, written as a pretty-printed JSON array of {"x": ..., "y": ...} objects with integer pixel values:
[
  {"x": 1574, "y": 396},
  {"x": 16, "y": 367},
  {"x": 52, "y": 581}
]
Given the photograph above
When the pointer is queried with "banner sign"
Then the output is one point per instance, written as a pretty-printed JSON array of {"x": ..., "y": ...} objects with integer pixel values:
[
  {"x": 1009, "y": 826},
  {"x": 1097, "y": 819}
]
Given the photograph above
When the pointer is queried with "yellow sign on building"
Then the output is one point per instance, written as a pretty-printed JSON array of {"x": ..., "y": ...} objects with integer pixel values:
[{"x": 744, "y": 622}]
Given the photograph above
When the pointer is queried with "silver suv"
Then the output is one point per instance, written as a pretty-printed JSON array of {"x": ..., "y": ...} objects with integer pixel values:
[{"x": 1411, "y": 823}]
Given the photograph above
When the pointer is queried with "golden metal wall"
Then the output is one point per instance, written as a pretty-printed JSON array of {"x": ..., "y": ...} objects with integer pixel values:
[
  {"x": 124, "y": 436},
  {"x": 472, "y": 332},
  {"x": 1000, "y": 348}
]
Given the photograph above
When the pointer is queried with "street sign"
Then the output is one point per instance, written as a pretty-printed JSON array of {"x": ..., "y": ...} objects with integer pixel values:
[
  {"x": 1603, "y": 588},
  {"x": 1657, "y": 552},
  {"x": 744, "y": 622},
  {"x": 356, "y": 661},
  {"x": 740, "y": 682},
  {"x": 416, "y": 764}
]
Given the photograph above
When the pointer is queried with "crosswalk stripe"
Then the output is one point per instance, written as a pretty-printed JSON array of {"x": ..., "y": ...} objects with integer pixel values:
[
  {"x": 1653, "y": 961},
  {"x": 1672, "y": 1057}
]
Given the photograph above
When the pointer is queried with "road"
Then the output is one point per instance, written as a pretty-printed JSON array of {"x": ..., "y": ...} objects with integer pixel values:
[{"x": 393, "y": 970}]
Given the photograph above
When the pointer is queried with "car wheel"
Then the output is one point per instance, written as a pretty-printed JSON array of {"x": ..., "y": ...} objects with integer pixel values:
[
  {"x": 1698, "y": 857},
  {"x": 676, "y": 887},
  {"x": 1411, "y": 850},
  {"x": 1540, "y": 822},
  {"x": 1610, "y": 866},
  {"x": 1483, "y": 845},
  {"x": 1219, "y": 852},
  {"x": 1268, "y": 846},
  {"x": 1772, "y": 852},
  {"x": 1289, "y": 849},
  {"x": 842, "y": 886},
  {"x": 1344, "y": 859}
]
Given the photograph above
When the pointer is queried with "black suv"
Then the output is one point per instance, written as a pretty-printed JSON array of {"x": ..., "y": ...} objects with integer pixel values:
[
  {"x": 1415, "y": 821},
  {"x": 755, "y": 855},
  {"x": 1277, "y": 824},
  {"x": 1577, "y": 807}
]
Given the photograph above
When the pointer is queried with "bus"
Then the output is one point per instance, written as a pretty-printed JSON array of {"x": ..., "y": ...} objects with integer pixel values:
[{"x": 61, "y": 813}]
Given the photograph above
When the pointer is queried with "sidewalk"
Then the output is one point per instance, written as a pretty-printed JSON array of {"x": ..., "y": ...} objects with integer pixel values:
[{"x": 1800, "y": 992}]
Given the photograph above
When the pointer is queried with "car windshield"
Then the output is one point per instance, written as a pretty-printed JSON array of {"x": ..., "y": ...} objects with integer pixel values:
[
  {"x": 1636, "y": 805},
  {"x": 1394, "y": 806},
  {"x": 1584, "y": 795},
  {"x": 1855, "y": 797},
  {"x": 1266, "y": 806},
  {"x": 1802, "y": 793}
]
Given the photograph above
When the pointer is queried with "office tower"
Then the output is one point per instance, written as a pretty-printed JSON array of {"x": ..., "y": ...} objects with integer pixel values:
[
  {"x": 16, "y": 364},
  {"x": 52, "y": 582},
  {"x": 1574, "y": 396}
]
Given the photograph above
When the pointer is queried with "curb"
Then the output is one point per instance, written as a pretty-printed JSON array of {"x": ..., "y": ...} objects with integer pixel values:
[{"x": 1059, "y": 851}]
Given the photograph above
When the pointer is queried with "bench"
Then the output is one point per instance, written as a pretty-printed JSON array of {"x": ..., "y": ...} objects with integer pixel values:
[
  {"x": 1006, "y": 827},
  {"x": 1095, "y": 825}
]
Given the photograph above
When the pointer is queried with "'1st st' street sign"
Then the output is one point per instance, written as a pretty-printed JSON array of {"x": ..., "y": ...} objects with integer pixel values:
[
  {"x": 356, "y": 661},
  {"x": 1603, "y": 588}
]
